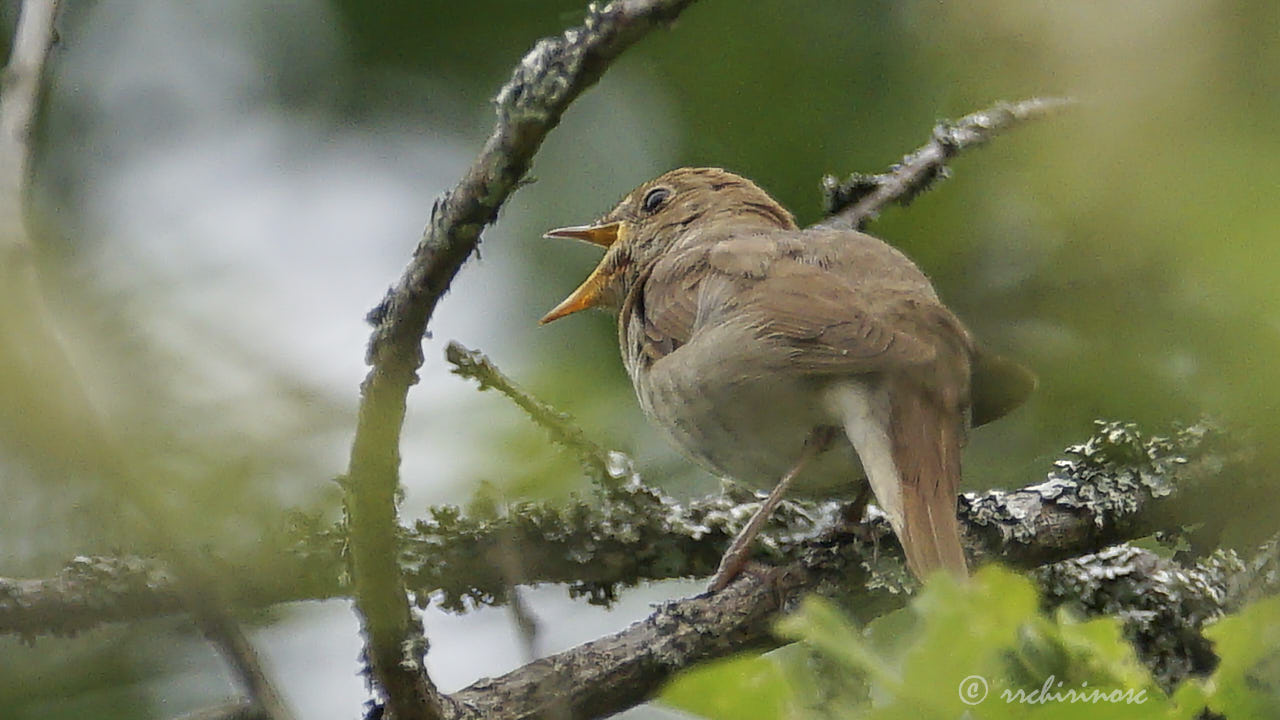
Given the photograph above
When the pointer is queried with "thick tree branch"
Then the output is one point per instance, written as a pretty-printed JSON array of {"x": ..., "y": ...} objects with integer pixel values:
[
  {"x": 622, "y": 670},
  {"x": 1164, "y": 606},
  {"x": 1106, "y": 490},
  {"x": 547, "y": 79},
  {"x": 1117, "y": 485}
]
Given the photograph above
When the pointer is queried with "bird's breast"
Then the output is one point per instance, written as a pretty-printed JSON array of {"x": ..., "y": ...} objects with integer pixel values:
[{"x": 738, "y": 418}]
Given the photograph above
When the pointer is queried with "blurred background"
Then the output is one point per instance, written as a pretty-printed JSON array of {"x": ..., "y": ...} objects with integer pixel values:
[{"x": 221, "y": 190}]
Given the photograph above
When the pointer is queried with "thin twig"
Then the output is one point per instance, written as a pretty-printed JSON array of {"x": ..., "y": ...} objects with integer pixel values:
[
  {"x": 225, "y": 633},
  {"x": 18, "y": 102},
  {"x": 859, "y": 199},
  {"x": 543, "y": 85},
  {"x": 605, "y": 466}
]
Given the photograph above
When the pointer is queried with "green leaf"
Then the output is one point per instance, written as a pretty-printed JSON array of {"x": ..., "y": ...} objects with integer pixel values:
[
  {"x": 981, "y": 649},
  {"x": 745, "y": 687},
  {"x": 1246, "y": 683}
]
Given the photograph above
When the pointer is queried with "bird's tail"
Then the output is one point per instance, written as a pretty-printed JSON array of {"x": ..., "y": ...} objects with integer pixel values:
[{"x": 926, "y": 437}]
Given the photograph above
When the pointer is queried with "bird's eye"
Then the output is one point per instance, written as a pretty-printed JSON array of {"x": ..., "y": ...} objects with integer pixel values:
[{"x": 654, "y": 198}]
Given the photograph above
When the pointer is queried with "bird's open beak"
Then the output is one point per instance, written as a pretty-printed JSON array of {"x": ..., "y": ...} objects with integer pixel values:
[
  {"x": 602, "y": 235},
  {"x": 590, "y": 292}
]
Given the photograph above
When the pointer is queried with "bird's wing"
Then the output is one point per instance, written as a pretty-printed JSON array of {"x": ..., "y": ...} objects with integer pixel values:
[
  {"x": 788, "y": 295},
  {"x": 828, "y": 325}
]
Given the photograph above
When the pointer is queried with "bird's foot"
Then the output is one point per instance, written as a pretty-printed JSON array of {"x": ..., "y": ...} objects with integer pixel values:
[{"x": 736, "y": 556}]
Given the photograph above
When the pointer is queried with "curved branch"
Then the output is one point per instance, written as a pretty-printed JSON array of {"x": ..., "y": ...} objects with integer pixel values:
[{"x": 547, "y": 79}]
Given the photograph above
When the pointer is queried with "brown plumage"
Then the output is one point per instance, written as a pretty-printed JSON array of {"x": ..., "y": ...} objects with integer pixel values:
[{"x": 745, "y": 336}]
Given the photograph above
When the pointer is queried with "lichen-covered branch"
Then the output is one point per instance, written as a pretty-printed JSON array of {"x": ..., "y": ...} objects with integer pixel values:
[
  {"x": 542, "y": 86},
  {"x": 90, "y": 591},
  {"x": 857, "y": 200},
  {"x": 1117, "y": 485},
  {"x": 87, "y": 593},
  {"x": 1164, "y": 606}
]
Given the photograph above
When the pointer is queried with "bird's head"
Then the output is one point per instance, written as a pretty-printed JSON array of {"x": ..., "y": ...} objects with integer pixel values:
[{"x": 654, "y": 218}]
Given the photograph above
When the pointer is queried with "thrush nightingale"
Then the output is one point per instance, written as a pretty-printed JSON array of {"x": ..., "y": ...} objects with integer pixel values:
[{"x": 768, "y": 353}]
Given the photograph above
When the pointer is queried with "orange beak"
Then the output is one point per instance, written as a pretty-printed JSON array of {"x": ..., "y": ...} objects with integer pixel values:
[
  {"x": 602, "y": 235},
  {"x": 592, "y": 289}
]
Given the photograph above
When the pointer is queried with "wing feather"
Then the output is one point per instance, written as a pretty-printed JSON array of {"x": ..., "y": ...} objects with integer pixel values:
[{"x": 822, "y": 303}]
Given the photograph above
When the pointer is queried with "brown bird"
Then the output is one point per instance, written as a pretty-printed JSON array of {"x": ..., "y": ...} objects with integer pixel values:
[{"x": 762, "y": 349}]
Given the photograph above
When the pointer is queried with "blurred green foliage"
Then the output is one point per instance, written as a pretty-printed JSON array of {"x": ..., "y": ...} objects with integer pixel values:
[
  {"x": 1125, "y": 250},
  {"x": 744, "y": 686},
  {"x": 982, "y": 650},
  {"x": 1247, "y": 681}
]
